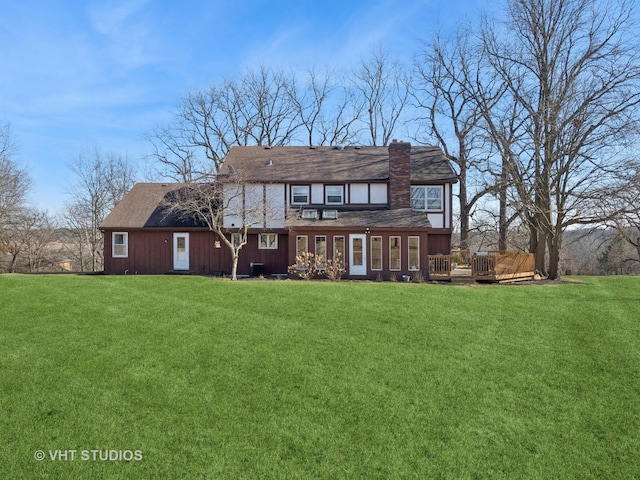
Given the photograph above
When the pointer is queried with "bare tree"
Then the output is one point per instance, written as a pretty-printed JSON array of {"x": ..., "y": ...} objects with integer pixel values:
[
  {"x": 30, "y": 240},
  {"x": 254, "y": 110},
  {"x": 177, "y": 159},
  {"x": 618, "y": 257},
  {"x": 573, "y": 69},
  {"x": 328, "y": 110},
  {"x": 623, "y": 209},
  {"x": 449, "y": 72},
  {"x": 273, "y": 117},
  {"x": 14, "y": 180},
  {"x": 102, "y": 179},
  {"x": 229, "y": 207},
  {"x": 384, "y": 88}
]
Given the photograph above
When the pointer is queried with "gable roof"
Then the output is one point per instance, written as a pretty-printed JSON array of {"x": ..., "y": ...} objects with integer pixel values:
[
  {"x": 143, "y": 207},
  {"x": 331, "y": 164}
]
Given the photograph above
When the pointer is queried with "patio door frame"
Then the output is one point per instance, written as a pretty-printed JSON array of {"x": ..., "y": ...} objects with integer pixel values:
[
  {"x": 180, "y": 258},
  {"x": 357, "y": 269}
]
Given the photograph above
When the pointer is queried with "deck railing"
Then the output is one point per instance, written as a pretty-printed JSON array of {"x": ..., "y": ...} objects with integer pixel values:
[
  {"x": 502, "y": 263},
  {"x": 439, "y": 265},
  {"x": 487, "y": 266}
]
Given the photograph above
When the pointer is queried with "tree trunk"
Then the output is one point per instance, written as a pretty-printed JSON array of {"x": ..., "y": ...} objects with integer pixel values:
[
  {"x": 555, "y": 246},
  {"x": 464, "y": 226},
  {"x": 464, "y": 207},
  {"x": 503, "y": 223},
  {"x": 12, "y": 264},
  {"x": 537, "y": 245},
  {"x": 234, "y": 266},
  {"x": 554, "y": 259}
]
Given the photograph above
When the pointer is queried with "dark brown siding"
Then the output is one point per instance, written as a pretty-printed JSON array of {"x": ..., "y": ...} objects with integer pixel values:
[
  {"x": 439, "y": 244},
  {"x": 151, "y": 253},
  {"x": 274, "y": 261}
]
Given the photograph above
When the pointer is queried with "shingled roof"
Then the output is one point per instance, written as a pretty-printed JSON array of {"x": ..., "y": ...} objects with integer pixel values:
[
  {"x": 144, "y": 207},
  {"x": 378, "y": 218},
  {"x": 331, "y": 164}
]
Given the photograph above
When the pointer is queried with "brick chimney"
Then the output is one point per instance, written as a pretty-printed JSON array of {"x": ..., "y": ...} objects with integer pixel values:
[{"x": 399, "y": 174}]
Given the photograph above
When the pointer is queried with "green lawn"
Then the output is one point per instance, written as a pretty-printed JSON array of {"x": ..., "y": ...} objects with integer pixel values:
[{"x": 208, "y": 378}]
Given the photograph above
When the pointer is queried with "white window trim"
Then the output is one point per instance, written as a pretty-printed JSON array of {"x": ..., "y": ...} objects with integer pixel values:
[
  {"x": 391, "y": 269},
  {"x": 269, "y": 245},
  {"x": 298, "y": 252},
  {"x": 381, "y": 255},
  {"x": 236, "y": 239},
  {"x": 417, "y": 269},
  {"x": 326, "y": 195},
  {"x": 126, "y": 244},
  {"x": 335, "y": 249},
  {"x": 323, "y": 264},
  {"x": 306, "y": 189},
  {"x": 426, "y": 189}
]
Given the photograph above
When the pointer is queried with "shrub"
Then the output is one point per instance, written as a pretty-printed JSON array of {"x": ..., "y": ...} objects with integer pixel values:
[
  {"x": 417, "y": 277},
  {"x": 305, "y": 266},
  {"x": 334, "y": 270}
]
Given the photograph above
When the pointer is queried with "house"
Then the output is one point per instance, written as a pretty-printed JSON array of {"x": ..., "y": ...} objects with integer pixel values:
[{"x": 381, "y": 210}]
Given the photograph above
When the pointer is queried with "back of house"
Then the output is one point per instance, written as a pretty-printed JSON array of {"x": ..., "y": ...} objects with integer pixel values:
[{"x": 380, "y": 211}]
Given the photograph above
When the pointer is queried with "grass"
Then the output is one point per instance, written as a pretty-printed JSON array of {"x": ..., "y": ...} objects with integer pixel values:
[{"x": 213, "y": 379}]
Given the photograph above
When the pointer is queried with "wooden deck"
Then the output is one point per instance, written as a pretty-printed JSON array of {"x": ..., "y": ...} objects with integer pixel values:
[{"x": 492, "y": 266}]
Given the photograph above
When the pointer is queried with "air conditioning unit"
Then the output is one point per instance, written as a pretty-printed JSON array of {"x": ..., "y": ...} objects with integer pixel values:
[
  {"x": 309, "y": 214},
  {"x": 329, "y": 214}
]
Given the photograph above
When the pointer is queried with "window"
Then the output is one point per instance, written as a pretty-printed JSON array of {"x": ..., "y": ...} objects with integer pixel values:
[
  {"x": 427, "y": 198},
  {"x": 302, "y": 247},
  {"x": 417, "y": 198},
  {"x": 333, "y": 195},
  {"x": 321, "y": 251},
  {"x": 434, "y": 198},
  {"x": 394, "y": 253},
  {"x": 300, "y": 195},
  {"x": 376, "y": 253},
  {"x": 268, "y": 241},
  {"x": 120, "y": 245},
  {"x": 236, "y": 239},
  {"x": 338, "y": 249},
  {"x": 414, "y": 253}
]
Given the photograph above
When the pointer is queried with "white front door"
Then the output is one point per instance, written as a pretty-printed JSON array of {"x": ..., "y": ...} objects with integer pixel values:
[
  {"x": 357, "y": 254},
  {"x": 181, "y": 251}
]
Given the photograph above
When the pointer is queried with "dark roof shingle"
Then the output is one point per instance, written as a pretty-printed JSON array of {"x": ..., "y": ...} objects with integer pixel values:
[
  {"x": 330, "y": 164},
  {"x": 145, "y": 207}
]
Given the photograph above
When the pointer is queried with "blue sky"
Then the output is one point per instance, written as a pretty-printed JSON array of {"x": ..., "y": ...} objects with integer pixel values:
[{"x": 77, "y": 74}]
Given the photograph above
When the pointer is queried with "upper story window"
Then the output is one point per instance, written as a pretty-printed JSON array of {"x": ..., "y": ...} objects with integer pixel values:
[
  {"x": 300, "y": 195},
  {"x": 427, "y": 198},
  {"x": 334, "y": 195}
]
